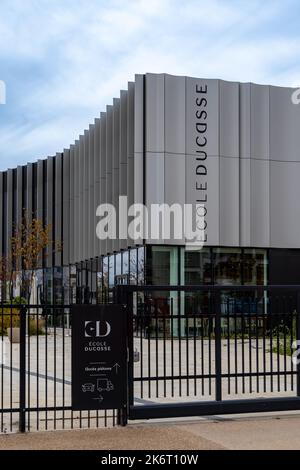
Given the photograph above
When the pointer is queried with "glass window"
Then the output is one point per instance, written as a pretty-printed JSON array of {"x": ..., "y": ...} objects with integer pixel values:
[
  {"x": 164, "y": 265},
  {"x": 73, "y": 283},
  {"x": 39, "y": 285},
  {"x": 196, "y": 271},
  {"x": 227, "y": 266},
  {"x": 105, "y": 272},
  {"x": 197, "y": 267},
  {"x": 141, "y": 266},
  {"x": 48, "y": 280},
  {"x": 125, "y": 262},
  {"x": 133, "y": 266},
  {"x": 58, "y": 285},
  {"x": 255, "y": 267},
  {"x": 118, "y": 264},
  {"x": 66, "y": 285},
  {"x": 118, "y": 273},
  {"x": 111, "y": 271},
  {"x": 99, "y": 280}
]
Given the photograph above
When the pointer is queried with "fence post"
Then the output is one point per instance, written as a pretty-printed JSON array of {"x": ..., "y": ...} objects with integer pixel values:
[
  {"x": 22, "y": 376},
  {"x": 218, "y": 344},
  {"x": 298, "y": 341},
  {"x": 130, "y": 345},
  {"x": 119, "y": 298}
]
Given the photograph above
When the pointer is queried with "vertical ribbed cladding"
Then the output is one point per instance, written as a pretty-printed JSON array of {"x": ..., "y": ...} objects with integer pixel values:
[
  {"x": 245, "y": 174},
  {"x": 48, "y": 217},
  {"x": 154, "y": 150},
  {"x": 138, "y": 139},
  {"x": 123, "y": 154},
  {"x": 81, "y": 227},
  {"x": 29, "y": 191},
  {"x": 41, "y": 189},
  {"x": 91, "y": 227},
  {"x": 72, "y": 179},
  {"x": 260, "y": 164},
  {"x": 10, "y": 194},
  {"x": 4, "y": 209},
  {"x": 202, "y": 148},
  {"x": 3, "y": 222},
  {"x": 97, "y": 188},
  {"x": 19, "y": 197},
  {"x": 86, "y": 165},
  {"x": 139, "y": 144},
  {"x": 76, "y": 203},
  {"x": 103, "y": 182},
  {"x": 130, "y": 148},
  {"x": 58, "y": 206},
  {"x": 115, "y": 167},
  {"x": 229, "y": 163},
  {"x": 175, "y": 139},
  {"x": 67, "y": 216},
  {"x": 109, "y": 147}
]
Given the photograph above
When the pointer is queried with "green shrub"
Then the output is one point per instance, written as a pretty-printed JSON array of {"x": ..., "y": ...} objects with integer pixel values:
[
  {"x": 10, "y": 318},
  {"x": 36, "y": 325}
]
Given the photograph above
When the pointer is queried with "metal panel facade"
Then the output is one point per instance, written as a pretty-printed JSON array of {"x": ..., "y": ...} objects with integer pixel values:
[{"x": 232, "y": 147}]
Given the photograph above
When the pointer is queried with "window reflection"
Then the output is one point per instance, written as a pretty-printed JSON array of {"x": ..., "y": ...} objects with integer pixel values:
[
  {"x": 197, "y": 267},
  {"x": 111, "y": 271},
  {"x": 164, "y": 265},
  {"x": 141, "y": 266},
  {"x": 125, "y": 262},
  {"x": 227, "y": 266},
  {"x": 105, "y": 272},
  {"x": 133, "y": 266},
  {"x": 255, "y": 267},
  {"x": 197, "y": 271}
]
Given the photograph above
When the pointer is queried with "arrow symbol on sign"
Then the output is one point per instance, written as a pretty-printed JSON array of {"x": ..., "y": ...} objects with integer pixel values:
[{"x": 116, "y": 367}]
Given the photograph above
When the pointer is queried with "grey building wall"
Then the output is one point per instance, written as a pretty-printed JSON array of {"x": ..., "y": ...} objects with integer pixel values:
[
  {"x": 251, "y": 140},
  {"x": 169, "y": 139}
]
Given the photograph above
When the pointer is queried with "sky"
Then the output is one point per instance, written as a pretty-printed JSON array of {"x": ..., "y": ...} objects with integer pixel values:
[{"x": 63, "y": 61}]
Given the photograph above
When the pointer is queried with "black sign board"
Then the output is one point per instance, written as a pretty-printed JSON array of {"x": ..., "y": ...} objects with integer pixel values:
[{"x": 99, "y": 357}]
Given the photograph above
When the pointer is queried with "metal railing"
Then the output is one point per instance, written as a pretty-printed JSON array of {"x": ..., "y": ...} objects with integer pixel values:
[
  {"x": 35, "y": 371},
  {"x": 195, "y": 347},
  {"x": 193, "y": 350}
]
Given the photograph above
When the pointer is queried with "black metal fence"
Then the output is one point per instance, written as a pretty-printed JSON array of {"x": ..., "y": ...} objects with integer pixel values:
[
  {"x": 193, "y": 350},
  {"x": 35, "y": 371},
  {"x": 211, "y": 349}
]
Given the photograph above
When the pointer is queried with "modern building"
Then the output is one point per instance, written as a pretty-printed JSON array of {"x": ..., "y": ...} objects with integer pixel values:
[{"x": 233, "y": 147}]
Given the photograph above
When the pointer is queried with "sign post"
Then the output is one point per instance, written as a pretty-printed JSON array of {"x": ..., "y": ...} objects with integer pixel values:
[{"x": 99, "y": 357}]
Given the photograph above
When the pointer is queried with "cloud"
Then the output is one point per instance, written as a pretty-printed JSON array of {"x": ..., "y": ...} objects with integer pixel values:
[{"x": 64, "y": 61}]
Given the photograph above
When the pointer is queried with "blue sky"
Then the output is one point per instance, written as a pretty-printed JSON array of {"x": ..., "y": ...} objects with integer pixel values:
[{"x": 64, "y": 60}]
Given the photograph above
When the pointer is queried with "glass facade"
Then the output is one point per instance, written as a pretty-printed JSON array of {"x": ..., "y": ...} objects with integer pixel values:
[
  {"x": 208, "y": 266},
  {"x": 155, "y": 265}
]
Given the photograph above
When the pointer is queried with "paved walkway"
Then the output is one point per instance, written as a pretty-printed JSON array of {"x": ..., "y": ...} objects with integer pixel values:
[{"x": 276, "y": 431}]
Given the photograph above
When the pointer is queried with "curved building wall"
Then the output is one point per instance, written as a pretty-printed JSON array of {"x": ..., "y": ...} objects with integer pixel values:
[
  {"x": 65, "y": 190},
  {"x": 233, "y": 147}
]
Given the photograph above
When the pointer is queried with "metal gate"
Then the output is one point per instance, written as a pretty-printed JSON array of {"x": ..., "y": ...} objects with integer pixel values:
[
  {"x": 205, "y": 350},
  {"x": 192, "y": 351},
  {"x": 35, "y": 371}
]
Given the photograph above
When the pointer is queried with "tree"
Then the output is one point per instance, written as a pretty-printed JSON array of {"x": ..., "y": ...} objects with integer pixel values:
[
  {"x": 6, "y": 275},
  {"x": 30, "y": 244}
]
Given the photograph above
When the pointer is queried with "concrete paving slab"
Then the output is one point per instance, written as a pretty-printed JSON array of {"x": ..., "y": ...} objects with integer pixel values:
[{"x": 276, "y": 431}]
